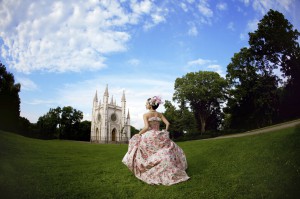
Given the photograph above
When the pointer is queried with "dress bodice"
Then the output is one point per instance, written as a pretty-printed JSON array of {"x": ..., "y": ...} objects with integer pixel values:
[{"x": 154, "y": 123}]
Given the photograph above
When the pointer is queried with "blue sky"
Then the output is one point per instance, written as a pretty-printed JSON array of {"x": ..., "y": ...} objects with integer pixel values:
[{"x": 63, "y": 51}]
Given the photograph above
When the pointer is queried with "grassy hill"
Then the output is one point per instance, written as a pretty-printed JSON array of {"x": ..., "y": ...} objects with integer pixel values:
[{"x": 258, "y": 166}]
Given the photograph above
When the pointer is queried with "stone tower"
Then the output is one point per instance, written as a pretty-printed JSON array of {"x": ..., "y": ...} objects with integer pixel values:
[{"x": 109, "y": 121}]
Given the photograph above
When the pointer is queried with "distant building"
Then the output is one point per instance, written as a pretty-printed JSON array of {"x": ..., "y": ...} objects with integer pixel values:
[{"x": 109, "y": 121}]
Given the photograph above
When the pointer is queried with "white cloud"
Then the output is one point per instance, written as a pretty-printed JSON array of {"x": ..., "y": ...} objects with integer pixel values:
[
  {"x": 222, "y": 6},
  {"x": 199, "y": 62},
  {"x": 26, "y": 84},
  {"x": 251, "y": 27},
  {"x": 243, "y": 36},
  {"x": 184, "y": 7},
  {"x": 134, "y": 62},
  {"x": 230, "y": 26},
  {"x": 239, "y": 9},
  {"x": 246, "y": 2},
  {"x": 262, "y": 7},
  {"x": 204, "y": 65},
  {"x": 193, "y": 31},
  {"x": 141, "y": 7},
  {"x": 204, "y": 9},
  {"x": 158, "y": 16},
  {"x": 60, "y": 36},
  {"x": 265, "y": 5},
  {"x": 46, "y": 102},
  {"x": 216, "y": 68}
]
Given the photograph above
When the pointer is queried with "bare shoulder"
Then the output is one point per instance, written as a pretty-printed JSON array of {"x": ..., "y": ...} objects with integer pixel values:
[
  {"x": 146, "y": 115},
  {"x": 160, "y": 114}
]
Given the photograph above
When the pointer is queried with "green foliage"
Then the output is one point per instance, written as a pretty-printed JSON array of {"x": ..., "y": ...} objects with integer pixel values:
[
  {"x": 48, "y": 124},
  {"x": 69, "y": 122},
  {"x": 274, "y": 43},
  {"x": 133, "y": 130},
  {"x": 9, "y": 100},
  {"x": 203, "y": 91},
  {"x": 24, "y": 126},
  {"x": 260, "y": 166},
  {"x": 254, "y": 99},
  {"x": 63, "y": 123},
  {"x": 84, "y": 131},
  {"x": 181, "y": 120}
]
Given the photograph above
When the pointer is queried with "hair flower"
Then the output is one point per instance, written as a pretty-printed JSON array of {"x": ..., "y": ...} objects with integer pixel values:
[{"x": 155, "y": 100}]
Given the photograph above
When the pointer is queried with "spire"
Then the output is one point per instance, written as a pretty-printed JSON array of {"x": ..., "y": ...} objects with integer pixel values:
[
  {"x": 128, "y": 116},
  {"x": 123, "y": 97},
  {"x": 106, "y": 91},
  {"x": 112, "y": 100},
  {"x": 96, "y": 97}
]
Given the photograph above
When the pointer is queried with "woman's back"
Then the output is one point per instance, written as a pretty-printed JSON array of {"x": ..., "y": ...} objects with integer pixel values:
[{"x": 154, "y": 123}]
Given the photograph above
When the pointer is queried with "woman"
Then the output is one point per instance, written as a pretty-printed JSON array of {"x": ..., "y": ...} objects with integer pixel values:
[{"x": 152, "y": 156}]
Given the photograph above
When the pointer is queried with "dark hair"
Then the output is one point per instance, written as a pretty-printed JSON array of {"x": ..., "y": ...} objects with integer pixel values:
[{"x": 153, "y": 107}]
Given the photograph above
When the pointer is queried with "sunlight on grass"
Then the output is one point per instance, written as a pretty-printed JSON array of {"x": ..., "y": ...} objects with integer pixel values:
[{"x": 260, "y": 166}]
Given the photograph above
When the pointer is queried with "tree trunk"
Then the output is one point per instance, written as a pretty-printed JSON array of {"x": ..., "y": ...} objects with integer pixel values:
[{"x": 203, "y": 123}]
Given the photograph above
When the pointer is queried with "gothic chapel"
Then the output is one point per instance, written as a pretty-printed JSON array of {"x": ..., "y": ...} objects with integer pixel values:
[{"x": 109, "y": 124}]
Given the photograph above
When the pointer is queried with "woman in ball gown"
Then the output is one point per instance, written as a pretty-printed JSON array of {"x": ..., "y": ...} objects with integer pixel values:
[{"x": 152, "y": 156}]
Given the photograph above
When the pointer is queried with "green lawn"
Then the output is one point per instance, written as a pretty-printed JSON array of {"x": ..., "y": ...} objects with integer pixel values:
[{"x": 260, "y": 166}]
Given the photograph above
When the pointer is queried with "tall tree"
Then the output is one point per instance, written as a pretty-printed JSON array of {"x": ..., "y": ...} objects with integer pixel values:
[
  {"x": 204, "y": 91},
  {"x": 275, "y": 45},
  {"x": 253, "y": 96},
  {"x": 9, "y": 100},
  {"x": 290, "y": 103},
  {"x": 254, "y": 99}
]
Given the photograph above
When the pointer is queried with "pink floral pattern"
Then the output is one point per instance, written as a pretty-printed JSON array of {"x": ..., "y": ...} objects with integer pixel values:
[{"x": 154, "y": 158}]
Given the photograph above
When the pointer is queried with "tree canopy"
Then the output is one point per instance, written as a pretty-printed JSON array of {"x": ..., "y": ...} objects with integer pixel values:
[
  {"x": 254, "y": 96},
  {"x": 63, "y": 123},
  {"x": 204, "y": 91},
  {"x": 9, "y": 100}
]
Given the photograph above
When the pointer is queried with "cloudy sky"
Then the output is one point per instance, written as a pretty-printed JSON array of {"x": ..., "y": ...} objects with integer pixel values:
[{"x": 63, "y": 51}]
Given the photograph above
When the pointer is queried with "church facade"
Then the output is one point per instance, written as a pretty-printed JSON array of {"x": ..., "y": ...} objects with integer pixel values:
[{"x": 109, "y": 121}]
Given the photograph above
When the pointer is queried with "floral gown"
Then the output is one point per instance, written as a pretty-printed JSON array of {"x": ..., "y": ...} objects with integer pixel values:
[{"x": 154, "y": 158}]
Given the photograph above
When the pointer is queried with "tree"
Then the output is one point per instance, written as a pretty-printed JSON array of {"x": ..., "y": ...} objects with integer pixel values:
[
  {"x": 70, "y": 120},
  {"x": 275, "y": 45},
  {"x": 252, "y": 99},
  {"x": 24, "y": 126},
  {"x": 63, "y": 123},
  {"x": 254, "y": 95},
  {"x": 181, "y": 120},
  {"x": 49, "y": 124},
  {"x": 133, "y": 131},
  {"x": 290, "y": 95},
  {"x": 204, "y": 91},
  {"x": 84, "y": 132},
  {"x": 9, "y": 100}
]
